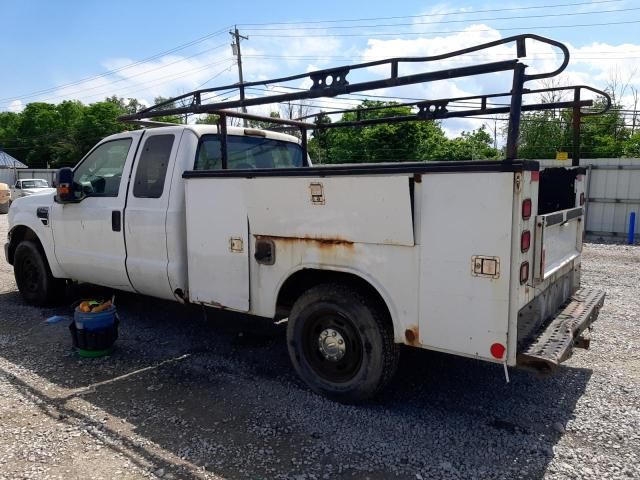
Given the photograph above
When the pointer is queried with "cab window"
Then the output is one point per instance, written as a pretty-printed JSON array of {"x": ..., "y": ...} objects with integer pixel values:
[
  {"x": 152, "y": 166},
  {"x": 245, "y": 152},
  {"x": 100, "y": 172}
]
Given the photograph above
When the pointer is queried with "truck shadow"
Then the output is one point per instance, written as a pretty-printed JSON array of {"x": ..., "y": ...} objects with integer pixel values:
[{"x": 214, "y": 392}]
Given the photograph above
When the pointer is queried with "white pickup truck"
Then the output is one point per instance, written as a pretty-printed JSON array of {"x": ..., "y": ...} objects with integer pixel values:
[
  {"x": 454, "y": 257},
  {"x": 30, "y": 186},
  {"x": 479, "y": 259}
]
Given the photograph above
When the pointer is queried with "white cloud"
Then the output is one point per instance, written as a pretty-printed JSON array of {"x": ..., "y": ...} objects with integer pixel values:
[{"x": 16, "y": 106}]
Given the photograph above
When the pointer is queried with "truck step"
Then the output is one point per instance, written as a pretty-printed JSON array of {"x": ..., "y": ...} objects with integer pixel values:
[{"x": 555, "y": 342}]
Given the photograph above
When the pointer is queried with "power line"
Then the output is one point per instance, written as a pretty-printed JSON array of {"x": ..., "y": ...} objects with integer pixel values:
[
  {"x": 215, "y": 76},
  {"x": 119, "y": 69},
  {"x": 164, "y": 79},
  {"x": 374, "y": 34},
  {"x": 145, "y": 72},
  {"x": 450, "y": 12},
  {"x": 364, "y": 57},
  {"x": 437, "y": 22}
]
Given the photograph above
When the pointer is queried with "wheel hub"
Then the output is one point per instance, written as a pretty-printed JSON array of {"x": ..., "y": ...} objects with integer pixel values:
[{"x": 332, "y": 345}]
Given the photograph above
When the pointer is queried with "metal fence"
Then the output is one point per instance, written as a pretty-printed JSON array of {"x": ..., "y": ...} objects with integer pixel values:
[
  {"x": 9, "y": 175},
  {"x": 612, "y": 193}
]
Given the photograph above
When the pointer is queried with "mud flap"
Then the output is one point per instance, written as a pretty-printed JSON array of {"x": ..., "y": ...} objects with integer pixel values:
[{"x": 555, "y": 342}]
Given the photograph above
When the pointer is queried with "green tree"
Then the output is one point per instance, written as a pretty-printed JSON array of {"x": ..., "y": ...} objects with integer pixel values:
[
  {"x": 9, "y": 123},
  {"x": 263, "y": 124},
  {"x": 208, "y": 119},
  {"x": 394, "y": 142},
  {"x": 632, "y": 146}
]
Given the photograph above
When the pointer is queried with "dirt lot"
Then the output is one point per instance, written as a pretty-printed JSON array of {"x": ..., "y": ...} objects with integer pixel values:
[{"x": 186, "y": 396}]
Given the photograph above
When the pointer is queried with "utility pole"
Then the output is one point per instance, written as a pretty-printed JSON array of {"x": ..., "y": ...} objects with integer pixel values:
[{"x": 235, "y": 47}]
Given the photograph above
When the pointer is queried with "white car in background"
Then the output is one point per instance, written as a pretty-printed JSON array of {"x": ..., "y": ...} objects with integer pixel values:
[{"x": 30, "y": 186}]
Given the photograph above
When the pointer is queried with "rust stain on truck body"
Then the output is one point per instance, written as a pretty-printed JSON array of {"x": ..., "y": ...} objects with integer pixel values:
[
  {"x": 316, "y": 242},
  {"x": 412, "y": 335}
]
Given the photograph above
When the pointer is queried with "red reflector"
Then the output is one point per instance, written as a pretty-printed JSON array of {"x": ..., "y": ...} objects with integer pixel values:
[
  {"x": 535, "y": 176},
  {"x": 497, "y": 350},
  {"x": 526, "y": 209},
  {"x": 525, "y": 241},
  {"x": 524, "y": 272},
  {"x": 581, "y": 199}
]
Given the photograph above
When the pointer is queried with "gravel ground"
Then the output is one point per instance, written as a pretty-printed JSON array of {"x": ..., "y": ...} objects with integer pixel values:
[{"x": 186, "y": 396}]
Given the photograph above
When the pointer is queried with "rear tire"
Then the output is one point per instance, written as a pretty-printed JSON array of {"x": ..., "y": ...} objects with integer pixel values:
[
  {"x": 33, "y": 276},
  {"x": 341, "y": 343}
]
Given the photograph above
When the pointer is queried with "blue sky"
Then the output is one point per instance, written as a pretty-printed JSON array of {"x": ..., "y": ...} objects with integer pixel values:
[{"x": 51, "y": 51}]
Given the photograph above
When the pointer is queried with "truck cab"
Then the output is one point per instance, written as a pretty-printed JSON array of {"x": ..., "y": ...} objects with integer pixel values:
[{"x": 127, "y": 228}]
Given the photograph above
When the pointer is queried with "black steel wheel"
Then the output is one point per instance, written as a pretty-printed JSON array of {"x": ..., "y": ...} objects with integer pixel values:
[
  {"x": 33, "y": 276},
  {"x": 341, "y": 343},
  {"x": 332, "y": 345}
]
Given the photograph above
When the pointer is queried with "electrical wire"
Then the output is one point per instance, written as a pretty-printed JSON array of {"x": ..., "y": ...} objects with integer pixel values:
[
  {"x": 139, "y": 88},
  {"x": 450, "y": 12},
  {"x": 437, "y": 22},
  {"x": 430, "y": 34},
  {"x": 119, "y": 69}
]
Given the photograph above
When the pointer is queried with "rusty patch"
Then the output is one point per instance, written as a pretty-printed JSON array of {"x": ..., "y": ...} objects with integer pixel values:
[
  {"x": 412, "y": 336},
  {"x": 417, "y": 178},
  {"x": 319, "y": 242}
]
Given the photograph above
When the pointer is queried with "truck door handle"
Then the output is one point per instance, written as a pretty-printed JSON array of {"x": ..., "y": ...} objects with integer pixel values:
[{"x": 116, "y": 221}]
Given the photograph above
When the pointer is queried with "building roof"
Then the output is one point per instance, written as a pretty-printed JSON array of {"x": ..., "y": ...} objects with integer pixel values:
[{"x": 7, "y": 161}]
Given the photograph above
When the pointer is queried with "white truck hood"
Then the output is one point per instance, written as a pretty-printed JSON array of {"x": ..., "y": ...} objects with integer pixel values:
[
  {"x": 37, "y": 190},
  {"x": 28, "y": 205}
]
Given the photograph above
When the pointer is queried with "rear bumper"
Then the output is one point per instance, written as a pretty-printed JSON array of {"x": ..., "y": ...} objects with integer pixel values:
[{"x": 555, "y": 342}]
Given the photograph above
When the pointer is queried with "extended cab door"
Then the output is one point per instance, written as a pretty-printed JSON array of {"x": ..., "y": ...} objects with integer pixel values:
[
  {"x": 146, "y": 213},
  {"x": 88, "y": 235}
]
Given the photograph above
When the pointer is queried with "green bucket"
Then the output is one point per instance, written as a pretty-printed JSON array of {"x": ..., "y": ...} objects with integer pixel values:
[{"x": 94, "y": 353}]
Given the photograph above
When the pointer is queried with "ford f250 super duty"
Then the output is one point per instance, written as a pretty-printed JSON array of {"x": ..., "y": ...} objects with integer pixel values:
[{"x": 479, "y": 259}]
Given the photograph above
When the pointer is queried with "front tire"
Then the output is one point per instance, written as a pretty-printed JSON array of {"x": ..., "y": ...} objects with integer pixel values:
[
  {"x": 341, "y": 343},
  {"x": 33, "y": 276}
]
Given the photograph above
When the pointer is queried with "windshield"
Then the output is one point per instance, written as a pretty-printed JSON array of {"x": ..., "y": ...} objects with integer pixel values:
[
  {"x": 36, "y": 183},
  {"x": 100, "y": 172}
]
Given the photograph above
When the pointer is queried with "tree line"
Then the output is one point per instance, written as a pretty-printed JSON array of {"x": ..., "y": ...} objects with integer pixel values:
[{"x": 47, "y": 135}]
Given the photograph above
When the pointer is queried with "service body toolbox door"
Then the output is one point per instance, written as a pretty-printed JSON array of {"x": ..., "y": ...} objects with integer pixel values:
[
  {"x": 217, "y": 242},
  {"x": 88, "y": 235}
]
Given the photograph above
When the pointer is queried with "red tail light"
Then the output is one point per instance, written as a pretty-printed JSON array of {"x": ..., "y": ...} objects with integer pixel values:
[
  {"x": 582, "y": 199},
  {"x": 497, "y": 350},
  {"x": 525, "y": 241},
  {"x": 524, "y": 272},
  {"x": 526, "y": 209}
]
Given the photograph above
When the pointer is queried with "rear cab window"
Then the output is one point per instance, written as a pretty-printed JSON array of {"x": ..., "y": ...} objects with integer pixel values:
[
  {"x": 152, "y": 166},
  {"x": 245, "y": 152}
]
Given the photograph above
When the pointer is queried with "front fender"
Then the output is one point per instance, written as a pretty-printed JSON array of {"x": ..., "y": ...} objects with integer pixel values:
[{"x": 23, "y": 215}]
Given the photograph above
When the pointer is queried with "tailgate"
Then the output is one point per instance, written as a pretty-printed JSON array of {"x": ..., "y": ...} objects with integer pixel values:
[{"x": 558, "y": 241}]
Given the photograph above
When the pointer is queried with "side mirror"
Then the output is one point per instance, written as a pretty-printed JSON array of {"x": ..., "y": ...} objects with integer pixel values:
[{"x": 64, "y": 190}]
